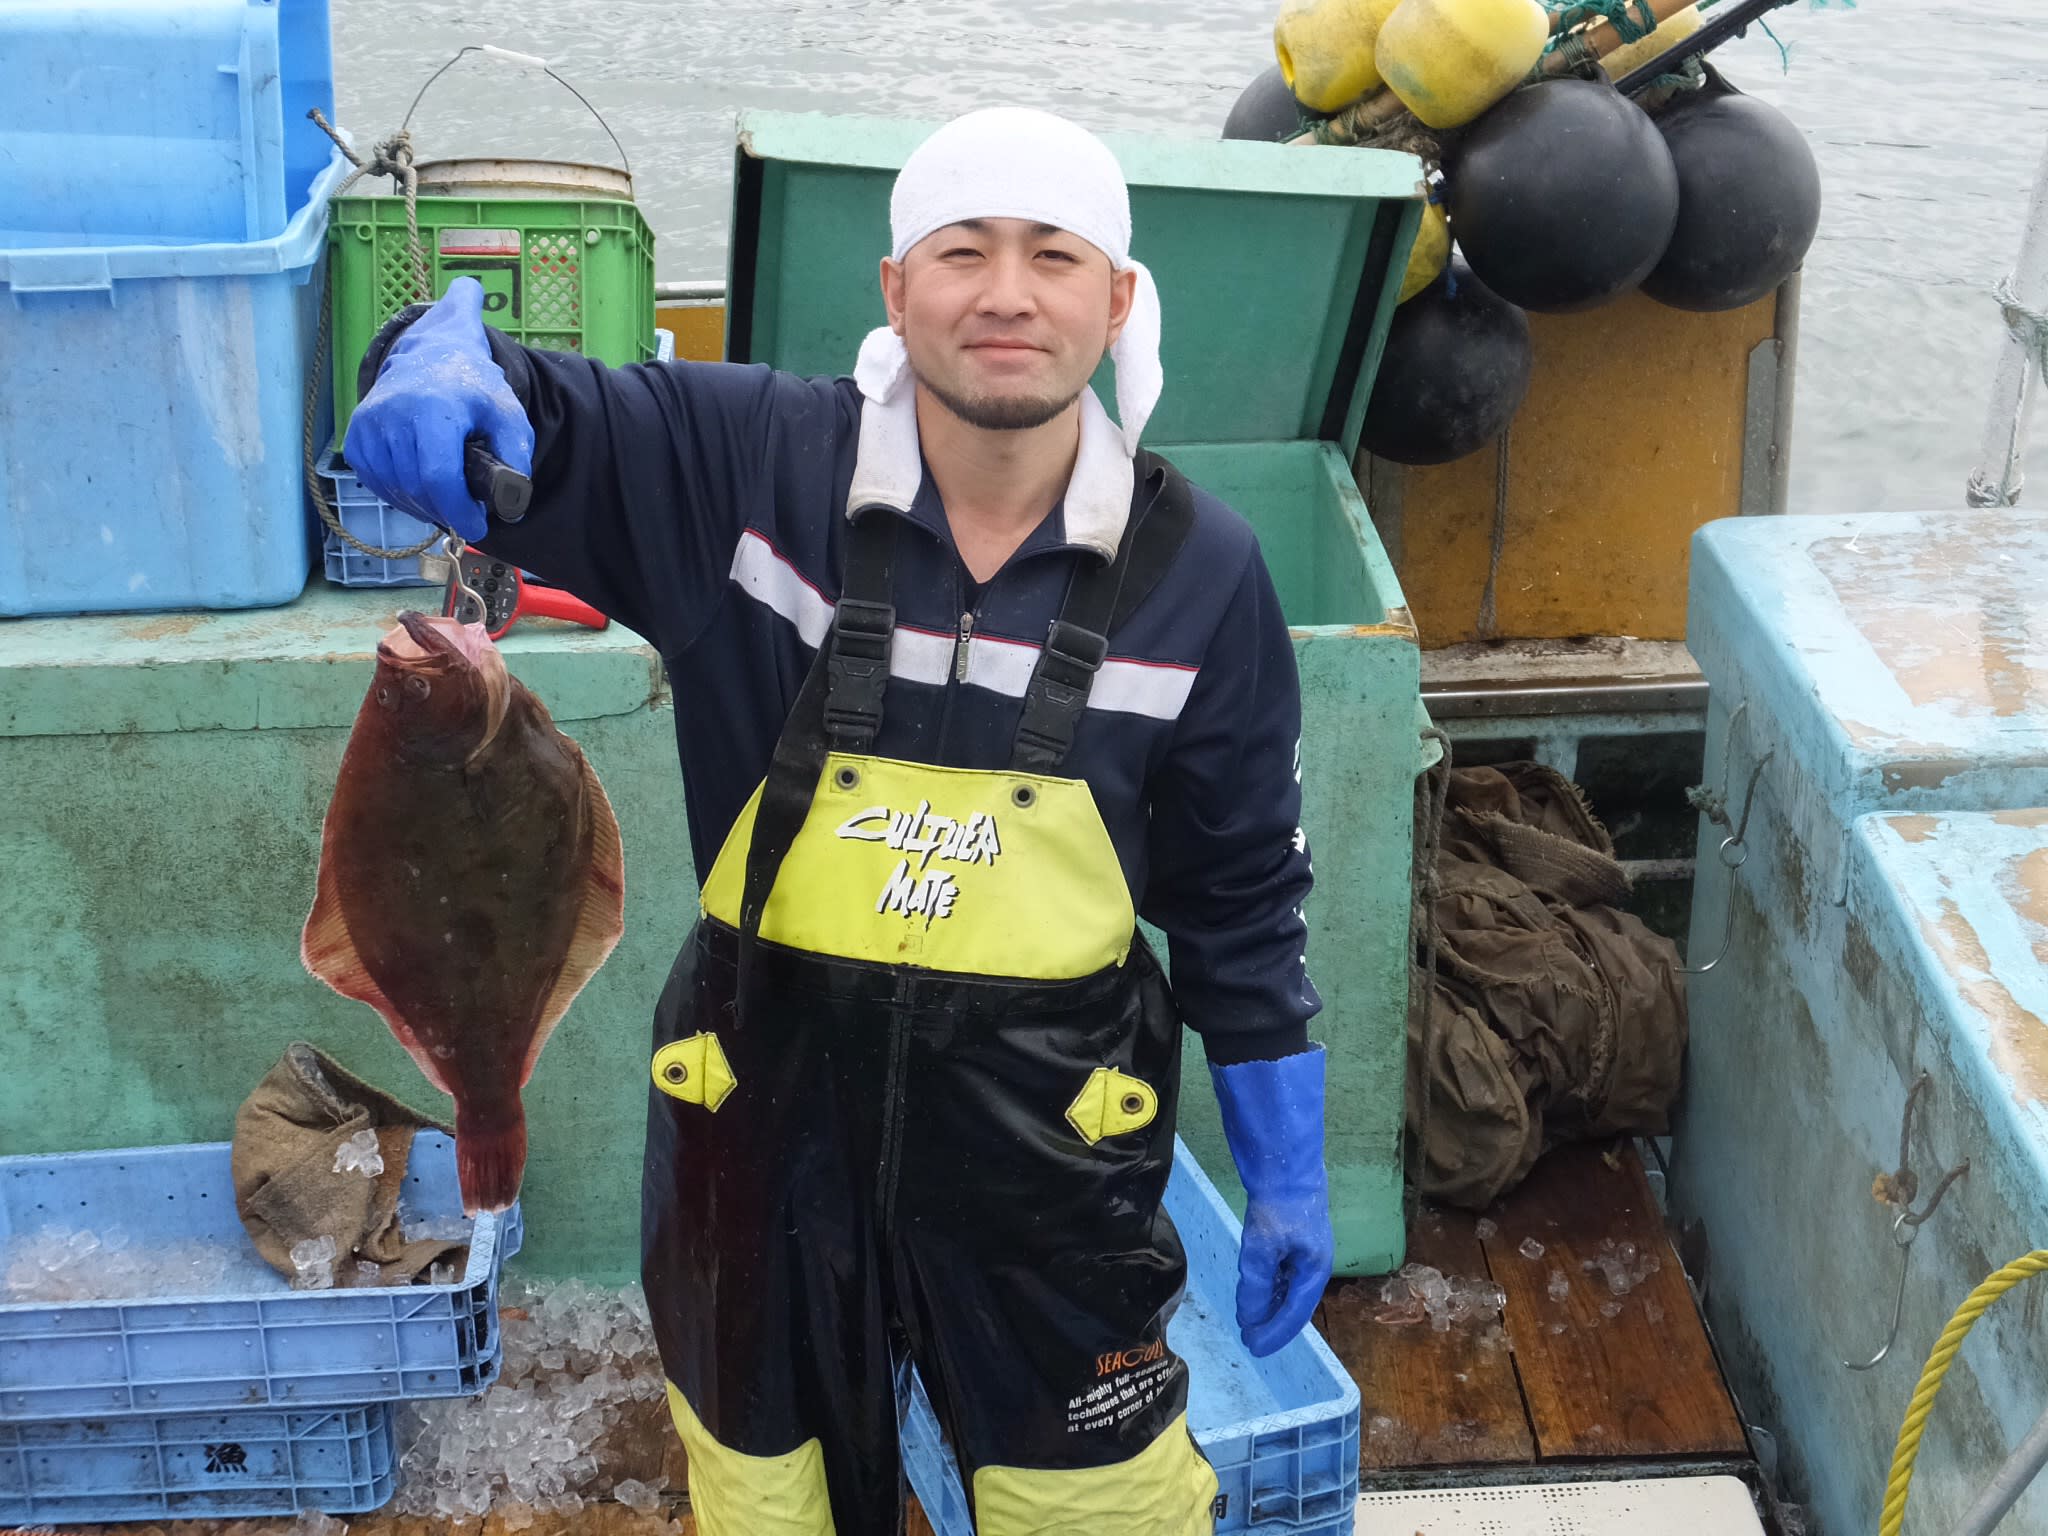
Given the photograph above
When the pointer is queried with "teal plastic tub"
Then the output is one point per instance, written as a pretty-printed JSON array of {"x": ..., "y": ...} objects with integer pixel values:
[
  {"x": 1281, "y": 1433},
  {"x": 151, "y": 419}
]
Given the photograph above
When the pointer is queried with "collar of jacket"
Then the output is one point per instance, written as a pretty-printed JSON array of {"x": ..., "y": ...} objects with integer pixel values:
[{"x": 889, "y": 471}]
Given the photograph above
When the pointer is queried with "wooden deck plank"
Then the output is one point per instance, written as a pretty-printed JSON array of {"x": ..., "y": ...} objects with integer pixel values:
[
  {"x": 1428, "y": 1399},
  {"x": 1605, "y": 1375}
]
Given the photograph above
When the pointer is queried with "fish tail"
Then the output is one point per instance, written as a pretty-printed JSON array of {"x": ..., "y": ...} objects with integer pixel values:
[{"x": 490, "y": 1157}]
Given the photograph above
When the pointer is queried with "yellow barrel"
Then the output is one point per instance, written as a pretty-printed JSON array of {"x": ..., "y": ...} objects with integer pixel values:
[
  {"x": 1449, "y": 60},
  {"x": 1325, "y": 50},
  {"x": 1675, "y": 29},
  {"x": 1427, "y": 256}
]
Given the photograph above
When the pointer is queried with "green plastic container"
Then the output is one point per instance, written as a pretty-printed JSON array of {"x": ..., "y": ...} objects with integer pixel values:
[
  {"x": 1278, "y": 268},
  {"x": 560, "y": 274}
]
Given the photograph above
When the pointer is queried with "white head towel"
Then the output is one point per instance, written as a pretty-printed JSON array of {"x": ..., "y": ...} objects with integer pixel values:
[{"x": 1019, "y": 163}]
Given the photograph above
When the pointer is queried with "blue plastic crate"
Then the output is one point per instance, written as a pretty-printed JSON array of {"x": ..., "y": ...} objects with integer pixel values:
[
  {"x": 260, "y": 1343},
  {"x": 1281, "y": 1433},
  {"x": 158, "y": 124},
  {"x": 341, "y": 1460},
  {"x": 374, "y": 521},
  {"x": 377, "y": 522},
  {"x": 155, "y": 402}
]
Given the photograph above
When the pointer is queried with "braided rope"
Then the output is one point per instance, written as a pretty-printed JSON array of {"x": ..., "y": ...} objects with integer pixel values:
[
  {"x": 392, "y": 157},
  {"x": 1907, "y": 1451}
]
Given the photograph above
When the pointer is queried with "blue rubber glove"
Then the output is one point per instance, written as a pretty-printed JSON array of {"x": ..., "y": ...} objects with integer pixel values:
[
  {"x": 1273, "y": 1122},
  {"x": 436, "y": 387}
]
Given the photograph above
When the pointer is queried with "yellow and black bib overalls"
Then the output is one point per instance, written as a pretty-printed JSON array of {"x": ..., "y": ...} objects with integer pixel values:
[{"x": 914, "y": 1087}]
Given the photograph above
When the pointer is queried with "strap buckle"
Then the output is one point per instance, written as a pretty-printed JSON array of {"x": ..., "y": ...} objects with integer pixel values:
[
  {"x": 1058, "y": 694},
  {"x": 857, "y": 671}
]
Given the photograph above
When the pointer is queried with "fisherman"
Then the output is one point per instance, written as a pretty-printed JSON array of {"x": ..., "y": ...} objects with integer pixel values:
[{"x": 965, "y": 682}]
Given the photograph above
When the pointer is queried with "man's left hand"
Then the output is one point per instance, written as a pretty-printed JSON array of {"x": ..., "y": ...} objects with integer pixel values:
[{"x": 1273, "y": 1122}]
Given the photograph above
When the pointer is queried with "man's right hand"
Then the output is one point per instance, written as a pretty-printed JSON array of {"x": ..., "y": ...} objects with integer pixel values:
[{"x": 436, "y": 389}]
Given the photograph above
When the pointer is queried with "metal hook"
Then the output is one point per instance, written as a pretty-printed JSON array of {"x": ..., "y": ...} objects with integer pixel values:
[
  {"x": 1897, "y": 1190},
  {"x": 1733, "y": 853},
  {"x": 462, "y": 602},
  {"x": 1911, "y": 1231}
]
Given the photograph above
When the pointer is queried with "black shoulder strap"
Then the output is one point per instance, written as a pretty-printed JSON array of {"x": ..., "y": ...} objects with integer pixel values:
[
  {"x": 838, "y": 708},
  {"x": 1099, "y": 599}
]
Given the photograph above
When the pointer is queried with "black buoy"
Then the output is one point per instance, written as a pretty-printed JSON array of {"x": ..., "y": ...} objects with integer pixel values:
[
  {"x": 1267, "y": 111},
  {"x": 1562, "y": 196},
  {"x": 1454, "y": 371},
  {"x": 1748, "y": 199}
]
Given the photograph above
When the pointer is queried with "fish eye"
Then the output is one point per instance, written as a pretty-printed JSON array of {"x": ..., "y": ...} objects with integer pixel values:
[
  {"x": 385, "y": 698},
  {"x": 417, "y": 686}
]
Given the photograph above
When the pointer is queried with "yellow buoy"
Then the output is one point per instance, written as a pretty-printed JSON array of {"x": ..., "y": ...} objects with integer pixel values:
[
  {"x": 1449, "y": 60},
  {"x": 1325, "y": 50},
  {"x": 1427, "y": 256},
  {"x": 1675, "y": 29}
]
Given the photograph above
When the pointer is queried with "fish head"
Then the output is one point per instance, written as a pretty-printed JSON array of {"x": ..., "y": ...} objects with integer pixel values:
[{"x": 442, "y": 685}]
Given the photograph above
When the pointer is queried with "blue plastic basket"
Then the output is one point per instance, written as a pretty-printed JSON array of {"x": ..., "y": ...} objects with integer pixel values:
[
  {"x": 377, "y": 522},
  {"x": 374, "y": 521},
  {"x": 260, "y": 1344},
  {"x": 340, "y": 1460},
  {"x": 1281, "y": 1433}
]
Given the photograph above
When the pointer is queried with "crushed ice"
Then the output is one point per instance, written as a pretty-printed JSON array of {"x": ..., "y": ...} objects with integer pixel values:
[
  {"x": 580, "y": 1371},
  {"x": 1624, "y": 1265},
  {"x": 1531, "y": 1249},
  {"x": 61, "y": 1264},
  {"x": 1419, "y": 1293},
  {"x": 360, "y": 1154},
  {"x": 313, "y": 1264}
]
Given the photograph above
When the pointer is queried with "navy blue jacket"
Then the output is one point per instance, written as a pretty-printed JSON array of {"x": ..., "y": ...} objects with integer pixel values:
[{"x": 703, "y": 506}]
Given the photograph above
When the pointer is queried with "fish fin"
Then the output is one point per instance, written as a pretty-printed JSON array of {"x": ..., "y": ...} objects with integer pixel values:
[
  {"x": 601, "y": 920},
  {"x": 328, "y": 951},
  {"x": 489, "y": 1162}
]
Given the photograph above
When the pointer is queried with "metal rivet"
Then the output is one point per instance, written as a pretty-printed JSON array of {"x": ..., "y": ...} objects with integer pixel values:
[
  {"x": 676, "y": 1072},
  {"x": 1023, "y": 794},
  {"x": 1133, "y": 1103},
  {"x": 847, "y": 778}
]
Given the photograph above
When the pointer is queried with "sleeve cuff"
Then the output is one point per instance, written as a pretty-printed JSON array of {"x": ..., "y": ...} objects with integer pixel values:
[{"x": 1268, "y": 1044}]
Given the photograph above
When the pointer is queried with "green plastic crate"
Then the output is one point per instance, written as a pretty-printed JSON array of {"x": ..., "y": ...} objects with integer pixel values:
[{"x": 562, "y": 275}]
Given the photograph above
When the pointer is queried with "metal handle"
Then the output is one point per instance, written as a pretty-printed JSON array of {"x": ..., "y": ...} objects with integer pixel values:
[
  {"x": 492, "y": 481},
  {"x": 492, "y": 50}
]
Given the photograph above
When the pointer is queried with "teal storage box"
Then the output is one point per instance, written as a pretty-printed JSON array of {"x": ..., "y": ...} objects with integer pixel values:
[
  {"x": 1277, "y": 270},
  {"x": 1280, "y": 1433},
  {"x": 1883, "y": 679},
  {"x": 159, "y": 122},
  {"x": 152, "y": 417}
]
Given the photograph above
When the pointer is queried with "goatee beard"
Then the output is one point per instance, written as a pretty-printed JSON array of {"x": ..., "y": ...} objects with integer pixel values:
[{"x": 999, "y": 415}]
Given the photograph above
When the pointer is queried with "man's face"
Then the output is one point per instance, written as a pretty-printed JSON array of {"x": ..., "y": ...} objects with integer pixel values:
[{"x": 1005, "y": 321}]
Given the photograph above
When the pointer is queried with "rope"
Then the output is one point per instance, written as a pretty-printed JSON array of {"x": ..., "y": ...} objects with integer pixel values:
[
  {"x": 1907, "y": 1452},
  {"x": 2029, "y": 327},
  {"x": 1489, "y": 620},
  {"x": 1424, "y": 887},
  {"x": 392, "y": 157},
  {"x": 1632, "y": 19}
]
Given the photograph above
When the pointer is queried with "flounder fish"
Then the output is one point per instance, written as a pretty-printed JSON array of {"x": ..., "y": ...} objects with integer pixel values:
[{"x": 471, "y": 881}]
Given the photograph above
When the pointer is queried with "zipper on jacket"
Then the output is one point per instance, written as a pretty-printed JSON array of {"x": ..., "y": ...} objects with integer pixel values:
[{"x": 962, "y": 649}]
